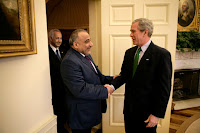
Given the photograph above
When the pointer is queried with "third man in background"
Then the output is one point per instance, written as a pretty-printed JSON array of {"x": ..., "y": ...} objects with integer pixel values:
[{"x": 56, "y": 53}]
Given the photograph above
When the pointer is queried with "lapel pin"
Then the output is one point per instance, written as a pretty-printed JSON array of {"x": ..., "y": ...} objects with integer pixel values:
[{"x": 147, "y": 59}]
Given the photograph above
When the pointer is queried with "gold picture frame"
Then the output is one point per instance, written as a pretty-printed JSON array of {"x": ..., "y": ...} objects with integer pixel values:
[
  {"x": 188, "y": 15},
  {"x": 17, "y": 34}
]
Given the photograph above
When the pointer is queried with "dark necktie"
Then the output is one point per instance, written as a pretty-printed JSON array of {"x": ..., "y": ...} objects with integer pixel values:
[
  {"x": 58, "y": 55},
  {"x": 135, "y": 63},
  {"x": 90, "y": 63}
]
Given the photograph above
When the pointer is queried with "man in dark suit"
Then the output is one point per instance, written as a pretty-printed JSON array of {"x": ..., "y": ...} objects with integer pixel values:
[
  {"x": 55, "y": 56},
  {"x": 147, "y": 87},
  {"x": 85, "y": 92}
]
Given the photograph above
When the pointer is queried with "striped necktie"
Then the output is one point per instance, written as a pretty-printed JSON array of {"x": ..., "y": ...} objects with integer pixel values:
[{"x": 91, "y": 63}]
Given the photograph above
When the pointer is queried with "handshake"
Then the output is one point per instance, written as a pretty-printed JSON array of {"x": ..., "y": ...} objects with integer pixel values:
[{"x": 110, "y": 88}]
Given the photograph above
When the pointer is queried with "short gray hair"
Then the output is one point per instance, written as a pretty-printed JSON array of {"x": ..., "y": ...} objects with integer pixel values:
[
  {"x": 144, "y": 24},
  {"x": 51, "y": 32},
  {"x": 74, "y": 35}
]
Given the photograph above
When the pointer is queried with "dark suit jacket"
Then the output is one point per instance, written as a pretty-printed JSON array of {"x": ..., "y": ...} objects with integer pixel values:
[
  {"x": 149, "y": 90},
  {"x": 84, "y": 91},
  {"x": 56, "y": 81}
]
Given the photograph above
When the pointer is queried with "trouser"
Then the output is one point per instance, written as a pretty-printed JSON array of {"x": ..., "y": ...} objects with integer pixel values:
[
  {"x": 81, "y": 130},
  {"x": 60, "y": 124},
  {"x": 135, "y": 122}
]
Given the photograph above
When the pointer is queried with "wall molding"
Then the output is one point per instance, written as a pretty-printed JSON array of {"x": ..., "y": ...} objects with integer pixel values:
[{"x": 49, "y": 127}]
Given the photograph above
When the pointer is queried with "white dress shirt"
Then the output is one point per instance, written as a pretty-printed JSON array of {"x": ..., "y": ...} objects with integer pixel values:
[{"x": 54, "y": 50}]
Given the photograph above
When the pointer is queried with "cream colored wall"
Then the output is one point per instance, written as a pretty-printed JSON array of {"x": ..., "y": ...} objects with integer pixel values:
[
  {"x": 25, "y": 91},
  {"x": 95, "y": 30}
]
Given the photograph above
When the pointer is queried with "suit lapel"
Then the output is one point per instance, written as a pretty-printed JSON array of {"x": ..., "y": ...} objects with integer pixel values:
[
  {"x": 132, "y": 56},
  {"x": 147, "y": 56},
  {"x": 62, "y": 52},
  {"x": 84, "y": 60},
  {"x": 88, "y": 63},
  {"x": 98, "y": 71},
  {"x": 53, "y": 55}
]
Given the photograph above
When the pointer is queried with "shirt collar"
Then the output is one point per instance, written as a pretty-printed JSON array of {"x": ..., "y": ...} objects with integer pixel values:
[
  {"x": 82, "y": 54},
  {"x": 145, "y": 46},
  {"x": 53, "y": 48}
]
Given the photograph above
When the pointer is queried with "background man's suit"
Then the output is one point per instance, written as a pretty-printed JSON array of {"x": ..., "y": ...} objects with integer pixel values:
[
  {"x": 85, "y": 91},
  {"x": 148, "y": 91},
  {"x": 56, "y": 81},
  {"x": 57, "y": 85}
]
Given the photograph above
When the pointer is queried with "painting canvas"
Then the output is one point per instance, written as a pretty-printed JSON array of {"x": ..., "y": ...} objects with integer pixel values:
[
  {"x": 17, "y": 34},
  {"x": 188, "y": 14},
  {"x": 9, "y": 20}
]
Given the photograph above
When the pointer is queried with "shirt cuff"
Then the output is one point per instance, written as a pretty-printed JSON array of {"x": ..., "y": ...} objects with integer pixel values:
[{"x": 113, "y": 87}]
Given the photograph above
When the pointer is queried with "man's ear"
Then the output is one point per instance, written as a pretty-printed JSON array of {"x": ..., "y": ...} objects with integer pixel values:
[
  {"x": 75, "y": 44},
  {"x": 146, "y": 32}
]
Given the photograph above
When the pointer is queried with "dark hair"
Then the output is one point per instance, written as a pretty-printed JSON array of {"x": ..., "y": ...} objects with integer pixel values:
[{"x": 74, "y": 35}]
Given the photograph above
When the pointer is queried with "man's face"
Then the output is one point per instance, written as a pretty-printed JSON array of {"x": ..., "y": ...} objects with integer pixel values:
[
  {"x": 84, "y": 43},
  {"x": 184, "y": 7},
  {"x": 56, "y": 41},
  {"x": 136, "y": 35}
]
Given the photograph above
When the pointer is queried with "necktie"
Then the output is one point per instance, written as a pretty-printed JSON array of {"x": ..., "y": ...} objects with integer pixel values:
[
  {"x": 58, "y": 55},
  {"x": 90, "y": 63},
  {"x": 135, "y": 63}
]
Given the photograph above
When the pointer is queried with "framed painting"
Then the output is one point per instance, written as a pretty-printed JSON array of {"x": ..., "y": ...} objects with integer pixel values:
[
  {"x": 17, "y": 24},
  {"x": 188, "y": 15}
]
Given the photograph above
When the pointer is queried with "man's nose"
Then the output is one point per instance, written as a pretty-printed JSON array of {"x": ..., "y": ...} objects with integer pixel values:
[
  {"x": 91, "y": 44},
  {"x": 60, "y": 40}
]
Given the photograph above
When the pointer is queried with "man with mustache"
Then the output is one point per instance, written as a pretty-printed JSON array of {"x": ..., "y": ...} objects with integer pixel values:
[
  {"x": 85, "y": 92},
  {"x": 56, "y": 53}
]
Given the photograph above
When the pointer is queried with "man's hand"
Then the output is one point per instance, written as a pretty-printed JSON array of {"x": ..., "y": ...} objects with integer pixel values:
[
  {"x": 109, "y": 88},
  {"x": 116, "y": 76},
  {"x": 152, "y": 121}
]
